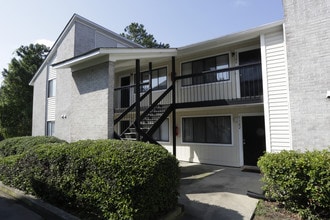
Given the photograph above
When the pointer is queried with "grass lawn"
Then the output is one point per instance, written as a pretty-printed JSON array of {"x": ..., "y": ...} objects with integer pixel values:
[{"x": 272, "y": 210}]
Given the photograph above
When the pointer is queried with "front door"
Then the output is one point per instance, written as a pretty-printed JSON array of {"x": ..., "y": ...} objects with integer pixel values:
[
  {"x": 124, "y": 94},
  {"x": 254, "y": 142}
]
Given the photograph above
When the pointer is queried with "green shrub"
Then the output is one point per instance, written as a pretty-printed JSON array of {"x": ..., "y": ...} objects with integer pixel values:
[
  {"x": 18, "y": 145},
  {"x": 105, "y": 179},
  {"x": 299, "y": 181}
]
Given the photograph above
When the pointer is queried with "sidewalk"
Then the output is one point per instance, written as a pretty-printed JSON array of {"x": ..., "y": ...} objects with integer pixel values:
[{"x": 215, "y": 192}]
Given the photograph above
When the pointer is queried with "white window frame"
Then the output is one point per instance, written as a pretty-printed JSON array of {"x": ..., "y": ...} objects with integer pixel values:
[
  {"x": 50, "y": 128},
  {"x": 210, "y": 144},
  {"x": 203, "y": 58},
  {"x": 51, "y": 89}
]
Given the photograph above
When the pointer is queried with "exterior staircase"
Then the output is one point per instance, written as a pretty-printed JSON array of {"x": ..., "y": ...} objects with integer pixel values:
[
  {"x": 149, "y": 121},
  {"x": 146, "y": 123}
]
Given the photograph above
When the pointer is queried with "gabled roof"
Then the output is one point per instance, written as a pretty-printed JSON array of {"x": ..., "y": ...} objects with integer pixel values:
[
  {"x": 120, "y": 54},
  {"x": 65, "y": 31}
]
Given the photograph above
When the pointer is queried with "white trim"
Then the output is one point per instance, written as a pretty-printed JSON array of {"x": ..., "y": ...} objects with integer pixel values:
[
  {"x": 232, "y": 38},
  {"x": 117, "y": 54},
  {"x": 288, "y": 83},
  {"x": 240, "y": 134},
  {"x": 265, "y": 92}
]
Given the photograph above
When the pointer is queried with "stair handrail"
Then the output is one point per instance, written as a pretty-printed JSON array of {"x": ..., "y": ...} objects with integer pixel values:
[
  {"x": 130, "y": 108},
  {"x": 156, "y": 102}
]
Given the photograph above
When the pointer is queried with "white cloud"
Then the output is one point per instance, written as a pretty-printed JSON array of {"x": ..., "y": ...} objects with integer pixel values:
[
  {"x": 241, "y": 3},
  {"x": 46, "y": 42}
]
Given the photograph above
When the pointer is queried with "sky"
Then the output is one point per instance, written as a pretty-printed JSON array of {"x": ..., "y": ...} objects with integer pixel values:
[{"x": 176, "y": 22}]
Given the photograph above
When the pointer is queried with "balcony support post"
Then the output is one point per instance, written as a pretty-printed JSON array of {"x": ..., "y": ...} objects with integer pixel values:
[
  {"x": 174, "y": 128},
  {"x": 137, "y": 98},
  {"x": 150, "y": 83}
]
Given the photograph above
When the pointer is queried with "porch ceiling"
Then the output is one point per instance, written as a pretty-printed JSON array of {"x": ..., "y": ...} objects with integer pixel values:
[{"x": 114, "y": 55}]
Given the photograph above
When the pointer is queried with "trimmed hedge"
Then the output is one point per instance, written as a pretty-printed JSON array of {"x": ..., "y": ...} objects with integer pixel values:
[
  {"x": 299, "y": 181},
  {"x": 103, "y": 179},
  {"x": 18, "y": 145}
]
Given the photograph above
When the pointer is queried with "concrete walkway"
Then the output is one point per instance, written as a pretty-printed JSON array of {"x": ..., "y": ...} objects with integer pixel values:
[{"x": 215, "y": 192}]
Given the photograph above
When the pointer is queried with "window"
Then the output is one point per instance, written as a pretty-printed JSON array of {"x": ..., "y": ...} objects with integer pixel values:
[
  {"x": 159, "y": 79},
  {"x": 51, "y": 88},
  {"x": 204, "y": 66},
  {"x": 216, "y": 129},
  {"x": 162, "y": 133},
  {"x": 50, "y": 128}
]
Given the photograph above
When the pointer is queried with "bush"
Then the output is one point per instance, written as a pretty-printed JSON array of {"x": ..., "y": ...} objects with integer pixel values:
[
  {"x": 104, "y": 179},
  {"x": 299, "y": 181},
  {"x": 18, "y": 145}
]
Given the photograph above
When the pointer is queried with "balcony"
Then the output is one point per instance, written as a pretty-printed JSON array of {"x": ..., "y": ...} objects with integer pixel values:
[{"x": 235, "y": 85}]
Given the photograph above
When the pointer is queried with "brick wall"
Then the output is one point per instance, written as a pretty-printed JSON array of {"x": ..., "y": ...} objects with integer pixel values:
[
  {"x": 307, "y": 26},
  {"x": 89, "y": 118}
]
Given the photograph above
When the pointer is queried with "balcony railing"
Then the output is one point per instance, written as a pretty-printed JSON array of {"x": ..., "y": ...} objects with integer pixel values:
[
  {"x": 230, "y": 85},
  {"x": 240, "y": 84}
]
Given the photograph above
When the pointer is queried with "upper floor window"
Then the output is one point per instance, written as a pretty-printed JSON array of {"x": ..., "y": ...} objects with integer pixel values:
[
  {"x": 158, "y": 79},
  {"x": 202, "y": 67},
  {"x": 51, "y": 88}
]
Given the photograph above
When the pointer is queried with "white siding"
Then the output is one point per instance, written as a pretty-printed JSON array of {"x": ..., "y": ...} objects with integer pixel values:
[
  {"x": 51, "y": 101},
  {"x": 51, "y": 109},
  {"x": 276, "y": 87},
  {"x": 52, "y": 73}
]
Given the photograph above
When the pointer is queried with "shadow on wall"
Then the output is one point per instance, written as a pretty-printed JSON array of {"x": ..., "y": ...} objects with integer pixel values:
[{"x": 91, "y": 79}]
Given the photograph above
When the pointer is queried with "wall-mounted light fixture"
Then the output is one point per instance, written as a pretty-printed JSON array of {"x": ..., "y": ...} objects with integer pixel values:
[{"x": 328, "y": 94}]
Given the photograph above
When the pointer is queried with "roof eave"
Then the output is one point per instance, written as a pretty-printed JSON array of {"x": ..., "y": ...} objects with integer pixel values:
[
  {"x": 234, "y": 37},
  {"x": 117, "y": 54}
]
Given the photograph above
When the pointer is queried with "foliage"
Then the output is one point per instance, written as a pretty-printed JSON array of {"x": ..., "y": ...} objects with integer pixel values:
[
  {"x": 104, "y": 179},
  {"x": 18, "y": 145},
  {"x": 299, "y": 181},
  {"x": 137, "y": 33},
  {"x": 15, "y": 93}
]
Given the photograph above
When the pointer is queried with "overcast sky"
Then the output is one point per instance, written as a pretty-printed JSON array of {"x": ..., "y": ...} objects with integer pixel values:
[{"x": 177, "y": 22}]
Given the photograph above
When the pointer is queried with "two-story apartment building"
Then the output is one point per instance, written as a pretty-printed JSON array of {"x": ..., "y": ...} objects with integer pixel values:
[{"x": 222, "y": 101}]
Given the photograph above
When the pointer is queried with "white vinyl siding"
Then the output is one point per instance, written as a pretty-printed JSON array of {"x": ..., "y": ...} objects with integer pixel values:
[
  {"x": 277, "y": 99},
  {"x": 52, "y": 73},
  {"x": 51, "y": 93},
  {"x": 51, "y": 109}
]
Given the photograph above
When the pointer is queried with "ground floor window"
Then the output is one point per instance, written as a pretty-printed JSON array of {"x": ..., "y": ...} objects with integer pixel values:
[
  {"x": 50, "y": 128},
  {"x": 162, "y": 133},
  {"x": 215, "y": 129}
]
